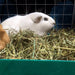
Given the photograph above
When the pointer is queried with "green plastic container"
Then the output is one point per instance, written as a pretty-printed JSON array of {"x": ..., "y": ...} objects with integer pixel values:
[{"x": 36, "y": 67}]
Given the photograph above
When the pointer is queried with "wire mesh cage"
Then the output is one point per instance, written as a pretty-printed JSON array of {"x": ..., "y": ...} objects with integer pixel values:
[{"x": 61, "y": 10}]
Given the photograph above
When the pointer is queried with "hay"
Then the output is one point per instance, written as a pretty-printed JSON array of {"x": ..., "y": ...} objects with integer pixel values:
[{"x": 59, "y": 45}]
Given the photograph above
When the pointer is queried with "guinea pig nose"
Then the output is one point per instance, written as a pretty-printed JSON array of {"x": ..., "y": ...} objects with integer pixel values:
[{"x": 54, "y": 23}]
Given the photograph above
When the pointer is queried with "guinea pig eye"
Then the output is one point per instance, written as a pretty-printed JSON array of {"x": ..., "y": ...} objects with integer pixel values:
[{"x": 46, "y": 19}]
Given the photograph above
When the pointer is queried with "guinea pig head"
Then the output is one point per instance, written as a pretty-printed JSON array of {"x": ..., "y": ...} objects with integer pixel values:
[{"x": 42, "y": 22}]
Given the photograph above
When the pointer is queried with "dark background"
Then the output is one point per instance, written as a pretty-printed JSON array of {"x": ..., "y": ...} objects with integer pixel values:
[{"x": 19, "y": 6}]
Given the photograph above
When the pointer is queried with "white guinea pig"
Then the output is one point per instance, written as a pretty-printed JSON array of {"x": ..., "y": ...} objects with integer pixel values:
[{"x": 38, "y": 22}]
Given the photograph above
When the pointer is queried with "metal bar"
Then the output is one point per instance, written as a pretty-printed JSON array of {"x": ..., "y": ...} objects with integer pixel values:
[{"x": 73, "y": 17}]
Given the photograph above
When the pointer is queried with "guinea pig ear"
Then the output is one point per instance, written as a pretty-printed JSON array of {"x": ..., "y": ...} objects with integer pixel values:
[{"x": 37, "y": 19}]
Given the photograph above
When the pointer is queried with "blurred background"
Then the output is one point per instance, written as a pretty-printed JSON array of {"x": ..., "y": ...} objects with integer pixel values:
[{"x": 63, "y": 11}]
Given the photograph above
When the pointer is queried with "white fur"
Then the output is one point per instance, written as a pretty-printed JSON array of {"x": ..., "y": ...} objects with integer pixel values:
[{"x": 27, "y": 22}]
